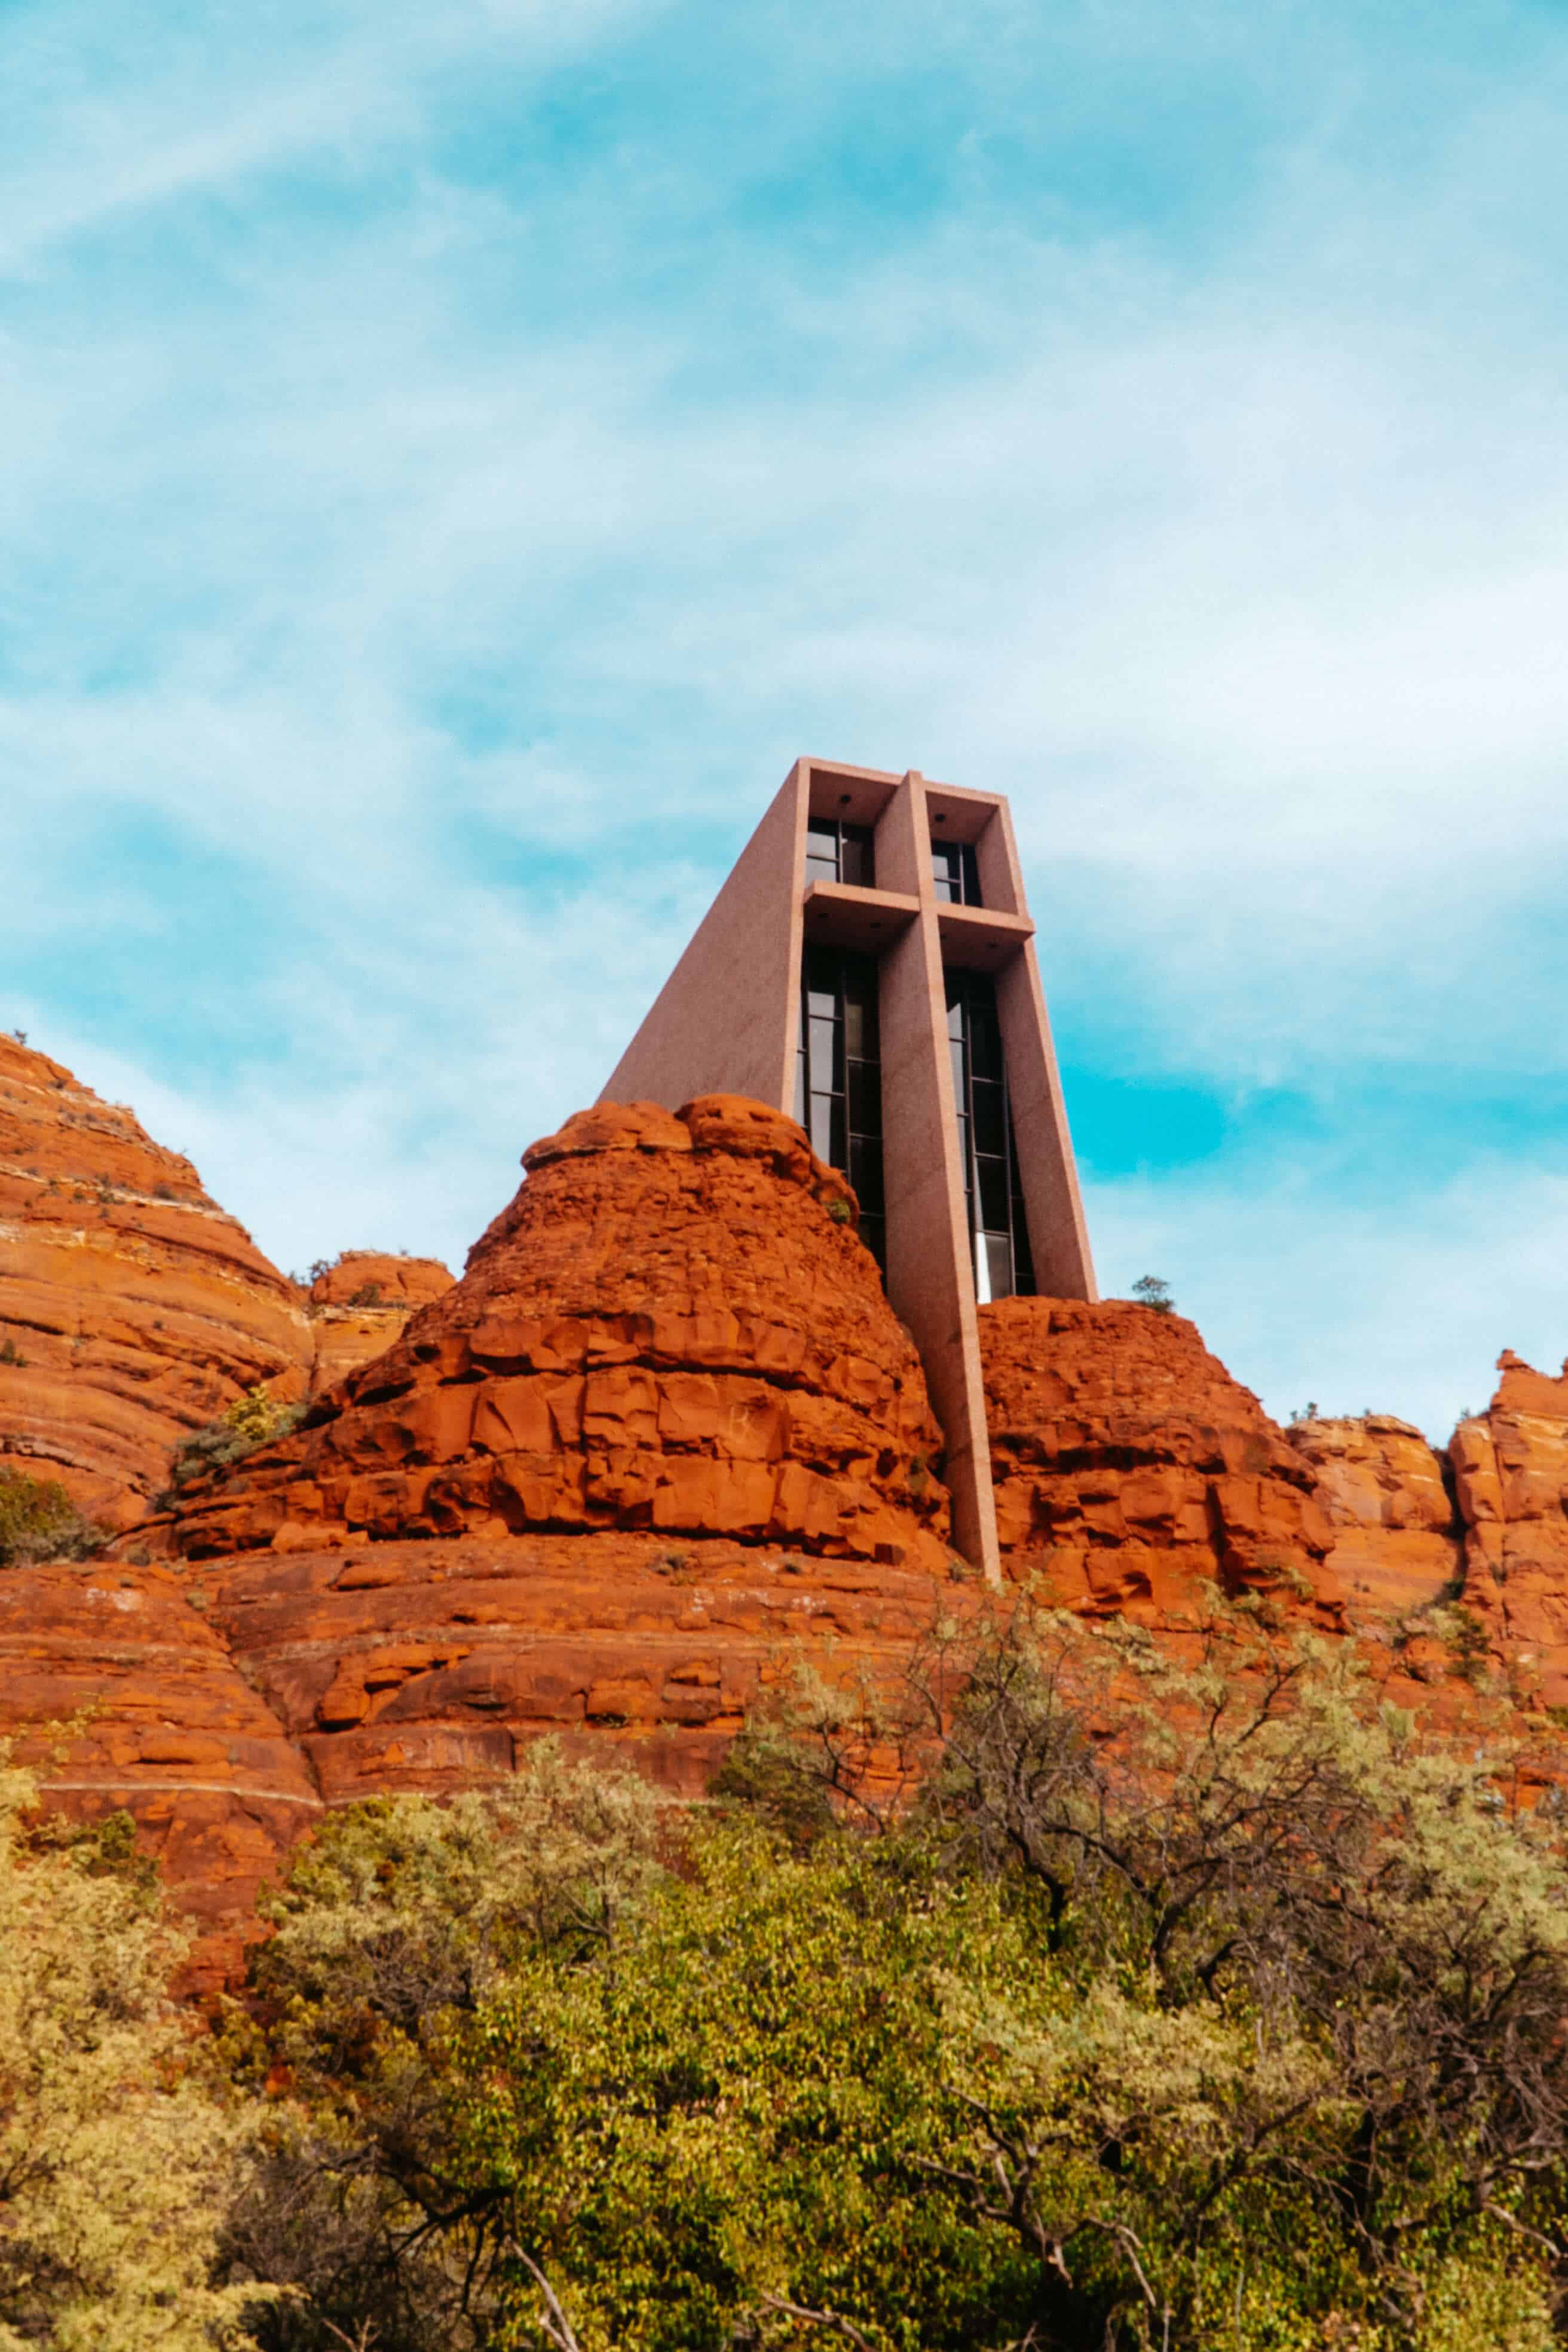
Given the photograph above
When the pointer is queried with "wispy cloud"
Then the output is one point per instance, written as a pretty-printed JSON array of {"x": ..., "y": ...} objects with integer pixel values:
[{"x": 457, "y": 459}]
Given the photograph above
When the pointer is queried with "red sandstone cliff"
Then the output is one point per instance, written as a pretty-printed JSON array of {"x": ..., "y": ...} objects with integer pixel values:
[
  {"x": 664, "y": 1437},
  {"x": 672, "y": 1327},
  {"x": 1131, "y": 1471},
  {"x": 359, "y": 1304},
  {"x": 133, "y": 1309}
]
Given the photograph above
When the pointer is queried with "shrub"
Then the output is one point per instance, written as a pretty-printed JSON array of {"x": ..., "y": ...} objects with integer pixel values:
[
  {"x": 253, "y": 1420},
  {"x": 118, "y": 2154},
  {"x": 1150, "y": 1291},
  {"x": 40, "y": 1521}
]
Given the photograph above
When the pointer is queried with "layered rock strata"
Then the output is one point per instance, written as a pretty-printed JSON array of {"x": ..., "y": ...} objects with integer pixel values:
[
  {"x": 429, "y": 1665},
  {"x": 359, "y": 1304},
  {"x": 132, "y": 1309},
  {"x": 1133, "y": 1473},
  {"x": 120, "y": 1693},
  {"x": 672, "y": 1327}
]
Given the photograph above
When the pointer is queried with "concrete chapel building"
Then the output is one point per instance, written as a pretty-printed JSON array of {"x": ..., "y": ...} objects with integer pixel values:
[{"x": 869, "y": 968}]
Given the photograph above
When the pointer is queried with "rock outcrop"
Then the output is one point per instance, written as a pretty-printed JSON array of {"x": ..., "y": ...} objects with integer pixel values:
[
  {"x": 672, "y": 1327},
  {"x": 1398, "y": 1540},
  {"x": 117, "y": 1691},
  {"x": 429, "y": 1665},
  {"x": 132, "y": 1309},
  {"x": 1131, "y": 1472},
  {"x": 1510, "y": 1473},
  {"x": 359, "y": 1304}
]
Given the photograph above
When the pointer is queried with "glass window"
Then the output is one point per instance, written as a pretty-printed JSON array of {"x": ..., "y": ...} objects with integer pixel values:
[
  {"x": 840, "y": 1087},
  {"x": 955, "y": 871},
  {"x": 993, "y": 1193},
  {"x": 839, "y": 852}
]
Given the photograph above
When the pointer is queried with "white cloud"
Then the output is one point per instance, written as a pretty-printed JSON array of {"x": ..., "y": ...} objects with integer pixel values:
[{"x": 445, "y": 566}]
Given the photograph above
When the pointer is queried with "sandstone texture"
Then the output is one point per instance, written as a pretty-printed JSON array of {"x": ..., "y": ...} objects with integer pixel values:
[
  {"x": 1133, "y": 1474},
  {"x": 117, "y": 1691},
  {"x": 1510, "y": 1473},
  {"x": 358, "y": 1305},
  {"x": 132, "y": 1309},
  {"x": 1398, "y": 1540},
  {"x": 671, "y": 1328},
  {"x": 427, "y": 1665}
]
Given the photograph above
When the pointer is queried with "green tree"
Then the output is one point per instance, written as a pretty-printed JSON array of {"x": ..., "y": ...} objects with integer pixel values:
[{"x": 118, "y": 2154}]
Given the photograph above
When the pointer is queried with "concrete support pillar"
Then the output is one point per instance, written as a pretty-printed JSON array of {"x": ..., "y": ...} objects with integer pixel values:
[{"x": 931, "y": 1273}]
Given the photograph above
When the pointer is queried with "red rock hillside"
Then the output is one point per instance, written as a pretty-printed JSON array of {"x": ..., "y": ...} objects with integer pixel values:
[
  {"x": 1131, "y": 1471},
  {"x": 672, "y": 1327},
  {"x": 133, "y": 1309},
  {"x": 358, "y": 1305},
  {"x": 120, "y": 1694}
]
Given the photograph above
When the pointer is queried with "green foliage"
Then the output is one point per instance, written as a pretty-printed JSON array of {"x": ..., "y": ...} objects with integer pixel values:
[
  {"x": 1150, "y": 1291},
  {"x": 252, "y": 1420},
  {"x": 398, "y": 1921},
  {"x": 957, "y": 2025},
  {"x": 11, "y": 1354},
  {"x": 40, "y": 1521},
  {"x": 117, "y": 2158},
  {"x": 367, "y": 1295}
]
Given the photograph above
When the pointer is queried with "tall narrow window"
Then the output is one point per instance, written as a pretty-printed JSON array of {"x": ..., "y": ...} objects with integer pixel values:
[
  {"x": 955, "y": 870},
  {"x": 999, "y": 1231},
  {"x": 836, "y": 852},
  {"x": 839, "y": 1075}
]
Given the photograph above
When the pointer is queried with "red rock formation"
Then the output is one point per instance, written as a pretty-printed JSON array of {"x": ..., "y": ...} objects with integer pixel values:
[
  {"x": 1398, "y": 1542},
  {"x": 117, "y": 1691},
  {"x": 132, "y": 1309},
  {"x": 427, "y": 1665},
  {"x": 1511, "y": 1472},
  {"x": 671, "y": 1326},
  {"x": 1131, "y": 1471},
  {"x": 358, "y": 1305}
]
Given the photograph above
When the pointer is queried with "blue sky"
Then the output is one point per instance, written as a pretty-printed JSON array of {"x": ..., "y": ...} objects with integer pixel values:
[{"x": 456, "y": 458}]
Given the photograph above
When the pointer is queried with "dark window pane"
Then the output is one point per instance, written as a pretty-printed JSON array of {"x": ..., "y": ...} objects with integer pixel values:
[
  {"x": 998, "y": 1262},
  {"x": 984, "y": 1042},
  {"x": 947, "y": 870},
  {"x": 822, "y": 970},
  {"x": 970, "y": 869},
  {"x": 990, "y": 1106},
  {"x": 874, "y": 1234},
  {"x": 993, "y": 1174},
  {"x": 865, "y": 1098},
  {"x": 828, "y": 1128},
  {"x": 865, "y": 1172},
  {"x": 855, "y": 856},
  {"x": 860, "y": 1027}
]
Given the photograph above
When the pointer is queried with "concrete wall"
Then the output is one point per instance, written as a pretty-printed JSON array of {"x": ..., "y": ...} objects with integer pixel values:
[
  {"x": 931, "y": 1278},
  {"x": 727, "y": 1019}
]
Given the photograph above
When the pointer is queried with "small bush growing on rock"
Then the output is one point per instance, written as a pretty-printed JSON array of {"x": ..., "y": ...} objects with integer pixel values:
[
  {"x": 1150, "y": 1291},
  {"x": 11, "y": 1354},
  {"x": 40, "y": 1521},
  {"x": 251, "y": 1421},
  {"x": 367, "y": 1295}
]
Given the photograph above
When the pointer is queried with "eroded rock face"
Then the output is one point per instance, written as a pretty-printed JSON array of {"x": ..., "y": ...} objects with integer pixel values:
[
  {"x": 132, "y": 1309},
  {"x": 1510, "y": 1473},
  {"x": 427, "y": 1665},
  {"x": 360, "y": 1305},
  {"x": 1131, "y": 1471},
  {"x": 672, "y": 1327},
  {"x": 120, "y": 1693},
  {"x": 1398, "y": 1540}
]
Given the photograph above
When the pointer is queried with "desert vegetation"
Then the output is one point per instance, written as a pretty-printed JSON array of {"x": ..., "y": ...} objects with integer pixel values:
[{"x": 1071, "y": 1998}]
